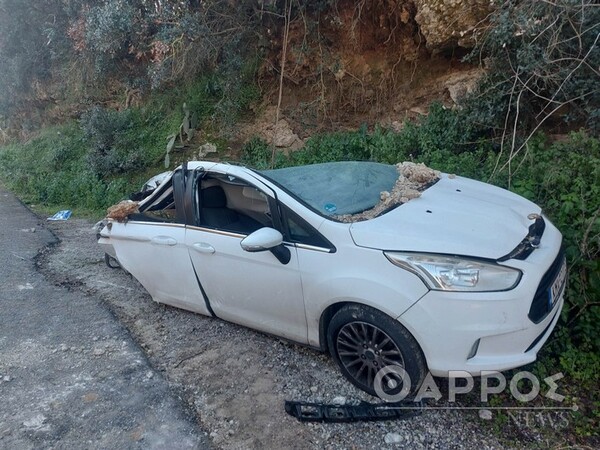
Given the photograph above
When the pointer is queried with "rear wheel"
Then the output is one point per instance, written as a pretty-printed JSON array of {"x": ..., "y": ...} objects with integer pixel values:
[{"x": 363, "y": 341}]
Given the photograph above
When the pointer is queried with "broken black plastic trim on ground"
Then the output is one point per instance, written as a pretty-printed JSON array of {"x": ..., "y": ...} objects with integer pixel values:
[{"x": 363, "y": 412}]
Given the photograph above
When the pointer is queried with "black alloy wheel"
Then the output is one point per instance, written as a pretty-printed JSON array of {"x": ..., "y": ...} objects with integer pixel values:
[{"x": 364, "y": 340}]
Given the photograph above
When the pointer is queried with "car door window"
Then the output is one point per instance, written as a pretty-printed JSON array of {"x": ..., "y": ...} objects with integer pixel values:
[
  {"x": 300, "y": 232},
  {"x": 162, "y": 209},
  {"x": 229, "y": 204}
]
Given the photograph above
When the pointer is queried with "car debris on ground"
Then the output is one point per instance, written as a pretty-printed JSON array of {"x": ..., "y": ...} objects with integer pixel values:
[{"x": 61, "y": 215}]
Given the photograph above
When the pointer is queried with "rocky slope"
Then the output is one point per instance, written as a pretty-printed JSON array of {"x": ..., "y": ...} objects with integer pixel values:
[{"x": 368, "y": 62}]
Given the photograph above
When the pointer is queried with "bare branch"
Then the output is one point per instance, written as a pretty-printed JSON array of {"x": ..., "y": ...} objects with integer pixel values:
[{"x": 571, "y": 73}]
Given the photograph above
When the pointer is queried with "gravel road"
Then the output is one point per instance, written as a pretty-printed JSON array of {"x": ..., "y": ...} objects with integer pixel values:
[{"x": 235, "y": 380}]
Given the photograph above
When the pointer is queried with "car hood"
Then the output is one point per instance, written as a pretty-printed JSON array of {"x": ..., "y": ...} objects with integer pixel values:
[{"x": 455, "y": 216}]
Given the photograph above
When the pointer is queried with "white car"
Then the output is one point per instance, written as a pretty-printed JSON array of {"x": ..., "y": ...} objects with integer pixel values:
[{"x": 466, "y": 276}]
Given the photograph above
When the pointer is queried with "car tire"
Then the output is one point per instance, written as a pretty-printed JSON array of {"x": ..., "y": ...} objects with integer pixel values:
[{"x": 363, "y": 340}]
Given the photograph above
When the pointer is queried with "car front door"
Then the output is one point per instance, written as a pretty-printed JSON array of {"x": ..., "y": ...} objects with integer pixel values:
[{"x": 253, "y": 289}]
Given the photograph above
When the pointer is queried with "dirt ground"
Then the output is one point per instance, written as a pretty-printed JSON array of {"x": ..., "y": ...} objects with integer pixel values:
[{"x": 235, "y": 380}]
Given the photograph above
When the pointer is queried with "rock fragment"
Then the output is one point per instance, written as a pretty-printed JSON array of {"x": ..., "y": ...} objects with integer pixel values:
[
  {"x": 340, "y": 400},
  {"x": 120, "y": 211},
  {"x": 393, "y": 438},
  {"x": 485, "y": 414}
]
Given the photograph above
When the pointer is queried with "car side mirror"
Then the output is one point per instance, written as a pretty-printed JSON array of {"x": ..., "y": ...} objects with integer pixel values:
[
  {"x": 267, "y": 239},
  {"x": 261, "y": 240}
]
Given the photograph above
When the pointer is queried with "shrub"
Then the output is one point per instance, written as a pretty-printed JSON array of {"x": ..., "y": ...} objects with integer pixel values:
[
  {"x": 53, "y": 170},
  {"x": 109, "y": 29},
  {"x": 442, "y": 136},
  {"x": 564, "y": 178},
  {"x": 257, "y": 153},
  {"x": 106, "y": 133},
  {"x": 542, "y": 62},
  {"x": 234, "y": 83},
  {"x": 92, "y": 163}
]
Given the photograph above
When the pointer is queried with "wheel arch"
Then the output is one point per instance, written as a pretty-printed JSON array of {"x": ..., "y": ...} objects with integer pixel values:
[
  {"x": 324, "y": 320},
  {"x": 391, "y": 299},
  {"x": 414, "y": 360},
  {"x": 330, "y": 311}
]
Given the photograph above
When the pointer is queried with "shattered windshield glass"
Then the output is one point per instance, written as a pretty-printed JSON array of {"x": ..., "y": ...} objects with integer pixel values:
[{"x": 337, "y": 188}]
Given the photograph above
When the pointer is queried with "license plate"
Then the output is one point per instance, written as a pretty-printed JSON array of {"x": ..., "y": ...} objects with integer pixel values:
[{"x": 558, "y": 287}]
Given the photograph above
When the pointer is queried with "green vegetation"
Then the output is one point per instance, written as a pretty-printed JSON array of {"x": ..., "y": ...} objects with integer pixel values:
[
  {"x": 107, "y": 154},
  {"x": 53, "y": 169},
  {"x": 543, "y": 59}
]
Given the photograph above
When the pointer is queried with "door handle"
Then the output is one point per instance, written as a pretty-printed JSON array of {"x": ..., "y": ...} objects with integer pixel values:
[
  {"x": 203, "y": 247},
  {"x": 163, "y": 240}
]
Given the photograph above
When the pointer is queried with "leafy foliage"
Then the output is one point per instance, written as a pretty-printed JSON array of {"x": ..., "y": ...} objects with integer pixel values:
[
  {"x": 110, "y": 29},
  {"x": 52, "y": 169},
  {"x": 95, "y": 46},
  {"x": 234, "y": 83},
  {"x": 542, "y": 59},
  {"x": 108, "y": 153},
  {"x": 257, "y": 153},
  {"x": 442, "y": 138},
  {"x": 565, "y": 179},
  {"x": 106, "y": 132}
]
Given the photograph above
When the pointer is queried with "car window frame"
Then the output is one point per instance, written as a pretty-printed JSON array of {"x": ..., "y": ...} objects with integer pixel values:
[
  {"x": 288, "y": 213},
  {"x": 195, "y": 204},
  {"x": 149, "y": 211}
]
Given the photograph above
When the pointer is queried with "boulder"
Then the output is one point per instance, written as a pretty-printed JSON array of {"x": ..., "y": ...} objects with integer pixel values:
[
  {"x": 450, "y": 23},
  {"x": 460, "y": 84}
]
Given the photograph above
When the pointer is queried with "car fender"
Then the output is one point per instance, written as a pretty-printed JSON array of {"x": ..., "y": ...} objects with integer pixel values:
[{"x": 390, "y": 300}]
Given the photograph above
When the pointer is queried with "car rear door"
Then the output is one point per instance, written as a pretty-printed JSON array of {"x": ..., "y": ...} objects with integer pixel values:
[{"x": 151, "y": 246}]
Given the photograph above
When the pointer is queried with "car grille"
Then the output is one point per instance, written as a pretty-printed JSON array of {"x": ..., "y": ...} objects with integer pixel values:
[{"x": 540, "y": 307}]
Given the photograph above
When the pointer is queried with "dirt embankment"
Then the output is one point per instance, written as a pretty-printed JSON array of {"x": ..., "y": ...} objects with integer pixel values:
[{"x": 366, "y": 62}]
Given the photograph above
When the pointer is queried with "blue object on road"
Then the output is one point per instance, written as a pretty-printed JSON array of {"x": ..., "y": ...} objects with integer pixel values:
[{"x": 61, "y": 215}]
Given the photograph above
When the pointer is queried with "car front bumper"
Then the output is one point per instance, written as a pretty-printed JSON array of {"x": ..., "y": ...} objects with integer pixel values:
[{"x": 475, "y": 332}]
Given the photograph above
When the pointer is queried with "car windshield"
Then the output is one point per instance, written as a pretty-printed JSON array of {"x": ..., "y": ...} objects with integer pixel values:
[{"x": 337, "y": 188}]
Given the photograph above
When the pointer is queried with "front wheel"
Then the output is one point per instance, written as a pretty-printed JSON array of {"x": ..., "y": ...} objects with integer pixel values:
[{"x": 363, "y": 340}]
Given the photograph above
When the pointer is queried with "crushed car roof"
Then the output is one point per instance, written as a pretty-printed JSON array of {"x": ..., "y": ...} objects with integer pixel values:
[{"x": 336, "y": 188}]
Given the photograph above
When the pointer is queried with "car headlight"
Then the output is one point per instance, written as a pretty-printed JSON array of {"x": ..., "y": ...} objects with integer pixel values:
[{"x": 452, "y": 273}]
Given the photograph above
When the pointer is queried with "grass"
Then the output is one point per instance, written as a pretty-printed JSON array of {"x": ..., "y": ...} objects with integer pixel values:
[{"x": 95, "y": 162}]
